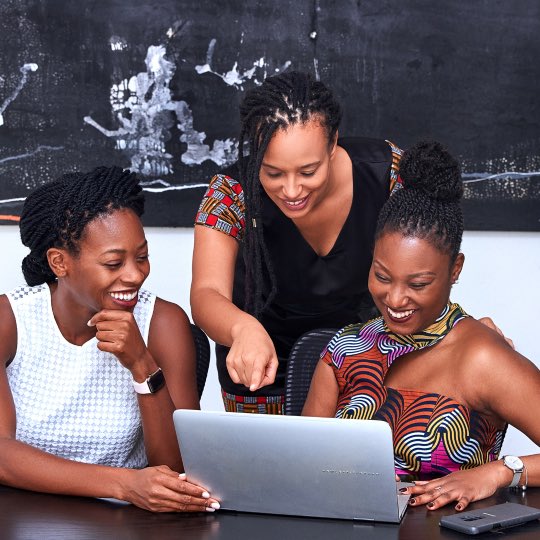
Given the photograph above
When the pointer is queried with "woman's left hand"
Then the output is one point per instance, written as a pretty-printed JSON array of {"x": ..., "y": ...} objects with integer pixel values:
[{"x": 461, "y": 486}]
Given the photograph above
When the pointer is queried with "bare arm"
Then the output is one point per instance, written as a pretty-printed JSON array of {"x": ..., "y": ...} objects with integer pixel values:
[
  {"x": 252, "y": 359},
  {"x": 170, "y": 343},
  {"x": 23, "y": 466},
  {"x": 509, "y": 390},
  {"x": 323, "y": 393}
]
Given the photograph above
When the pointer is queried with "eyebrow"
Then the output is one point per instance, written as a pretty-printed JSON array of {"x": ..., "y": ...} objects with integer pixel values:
[
  {"x": 307, "y": 165},
  {"x": 121, "y": 251},
  {"x": 417, "y": 274}
]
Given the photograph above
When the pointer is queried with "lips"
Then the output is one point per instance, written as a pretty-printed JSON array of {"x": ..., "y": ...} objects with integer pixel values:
[
  {"x": 296, "y": 205},
  {"x": 400, "y": 317},
  {"x": 125, "y": 298}
]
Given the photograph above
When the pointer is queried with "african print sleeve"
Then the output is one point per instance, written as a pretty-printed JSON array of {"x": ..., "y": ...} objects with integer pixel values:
[
  {"x": 395, "y": 179},
  {"x": 222, "y": 207}
]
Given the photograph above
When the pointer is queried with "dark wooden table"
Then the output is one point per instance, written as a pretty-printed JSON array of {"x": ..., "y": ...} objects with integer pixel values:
[{"x": 26, "y": 515}]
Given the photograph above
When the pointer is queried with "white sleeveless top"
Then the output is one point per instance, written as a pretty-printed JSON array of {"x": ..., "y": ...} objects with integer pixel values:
[{"x": 75, "y": 402}]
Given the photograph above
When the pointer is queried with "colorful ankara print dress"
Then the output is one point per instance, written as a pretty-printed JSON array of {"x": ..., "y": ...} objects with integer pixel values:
[{"x": 433, "y": 434}]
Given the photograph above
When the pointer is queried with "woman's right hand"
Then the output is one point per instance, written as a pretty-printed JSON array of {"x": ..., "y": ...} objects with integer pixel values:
[
  {"x": 160, "y": 489},
  {"x": 252, "y": 359}
]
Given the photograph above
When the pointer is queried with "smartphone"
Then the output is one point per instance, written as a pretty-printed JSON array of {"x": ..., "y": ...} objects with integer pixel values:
[{"x": 499, "y": 516}]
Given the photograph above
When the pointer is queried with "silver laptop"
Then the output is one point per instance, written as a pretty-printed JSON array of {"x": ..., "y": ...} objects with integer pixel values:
[{"x": 292, "y": 465}]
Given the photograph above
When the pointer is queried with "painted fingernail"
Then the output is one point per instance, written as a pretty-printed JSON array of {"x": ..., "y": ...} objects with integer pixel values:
[
  {"x": 412, "y": 501},
  {"x": 208, "y": 509},
  {"x": 205, "y": 495},
  {"x": 89, "y": 323},
  {"x": 403, "y": 490},
  {"x": 182, "y": 476},
  {"x": 215, "y": 505},
  {"x": 430, "y": 505}
]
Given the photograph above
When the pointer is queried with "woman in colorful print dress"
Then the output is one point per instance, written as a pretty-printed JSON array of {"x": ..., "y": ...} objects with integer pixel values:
[{"x": 447, "y": 385}]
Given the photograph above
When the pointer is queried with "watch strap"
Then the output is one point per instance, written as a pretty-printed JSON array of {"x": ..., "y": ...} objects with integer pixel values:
[
  {"x": 517, "y": 473},
  {"x": 152, "y": 384}
]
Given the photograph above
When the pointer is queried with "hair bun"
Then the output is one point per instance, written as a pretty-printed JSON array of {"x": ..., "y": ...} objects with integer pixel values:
[{"x": 427, "y": 166}]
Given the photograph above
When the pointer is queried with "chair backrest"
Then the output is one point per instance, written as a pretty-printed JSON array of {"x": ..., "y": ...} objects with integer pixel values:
[
  {"x": 202, "y": 350},
  {"x": 303, "y": 359}
]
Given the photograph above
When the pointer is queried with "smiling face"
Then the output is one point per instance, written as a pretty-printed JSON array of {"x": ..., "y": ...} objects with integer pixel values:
[
  {"x": 295, "y": 171},
  {"x": 111, "y": 265},
  {"x": 410, "y": 281}
]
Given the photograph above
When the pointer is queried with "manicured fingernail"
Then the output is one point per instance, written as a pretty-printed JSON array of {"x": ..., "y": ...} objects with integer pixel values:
[
  {"x": 403, "y": 490},
  {"x": 458, "y": 507},
  {"x": 430, "y": 505},
  {"x": 182, "y": 476},
  {"x": 205, "y": 495},
  {"x": 208, "y": 509},
  {"x": 215, "y": 505},
  {"x": 89, "y": 323},
  {"x": 412, "y": 501}
]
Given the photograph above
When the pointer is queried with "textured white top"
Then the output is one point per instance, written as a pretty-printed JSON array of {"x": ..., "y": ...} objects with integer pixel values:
[{"x": 76, "y": 402}]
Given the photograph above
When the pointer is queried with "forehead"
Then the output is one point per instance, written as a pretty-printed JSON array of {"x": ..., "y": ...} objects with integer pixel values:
[
  {"x": 408, "y": 254},
  {"x": 118, "y": 230},
  {"x": 297, "y": 143}
]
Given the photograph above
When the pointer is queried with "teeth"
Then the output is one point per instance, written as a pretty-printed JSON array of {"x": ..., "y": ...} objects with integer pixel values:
[
  {"x": 400, "y": 314},
  {"x": 126, "y": 297},
  {"x": 295, "y": 203}
]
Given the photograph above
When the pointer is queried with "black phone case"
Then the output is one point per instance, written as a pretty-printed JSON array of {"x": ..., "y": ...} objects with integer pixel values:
[{"x": 499, "y": 516}]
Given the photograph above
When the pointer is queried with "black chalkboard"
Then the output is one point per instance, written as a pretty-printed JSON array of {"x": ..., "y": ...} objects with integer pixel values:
[{"x": 155, "y": 86}]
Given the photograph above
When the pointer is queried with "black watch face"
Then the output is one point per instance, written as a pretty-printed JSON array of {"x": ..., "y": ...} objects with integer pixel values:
[{"x": 156, "y": 381}]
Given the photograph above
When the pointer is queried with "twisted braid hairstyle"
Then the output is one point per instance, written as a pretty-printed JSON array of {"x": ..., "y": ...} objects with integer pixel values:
[
  {"x": 281, "y": 101},
  {"x": 56, "y": 213},
  {"x": 429, "y": 205}
]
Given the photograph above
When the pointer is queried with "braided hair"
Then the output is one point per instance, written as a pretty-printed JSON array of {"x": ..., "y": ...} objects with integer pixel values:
[
  {"x": 281, "y": 101},
  {"x": 56, "y": 213},
  {"x": 429, "y": 204}
]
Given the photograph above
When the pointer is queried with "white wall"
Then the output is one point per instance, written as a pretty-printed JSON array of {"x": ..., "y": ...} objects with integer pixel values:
[{"x": 500, "y": 279}]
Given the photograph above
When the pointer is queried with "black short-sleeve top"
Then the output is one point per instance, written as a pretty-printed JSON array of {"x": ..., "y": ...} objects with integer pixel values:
[{"x": 312, "y": 291}]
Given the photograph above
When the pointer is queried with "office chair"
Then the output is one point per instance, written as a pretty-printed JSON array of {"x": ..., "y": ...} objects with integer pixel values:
[
  {"x": 202, "y": 350},
  {"x": 303, "y": 359}
]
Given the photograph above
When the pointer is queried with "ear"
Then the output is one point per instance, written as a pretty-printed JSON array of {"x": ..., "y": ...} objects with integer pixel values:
[
  {"x": 58, "y": 260},
  {"x": 457, "y": 267}
]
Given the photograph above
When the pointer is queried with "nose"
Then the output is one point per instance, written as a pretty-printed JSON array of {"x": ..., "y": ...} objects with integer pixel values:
[
  {"x": 396, "y": 296},
  {"x": 134, "y": 274},
  {"x": 292, "y": 188}
]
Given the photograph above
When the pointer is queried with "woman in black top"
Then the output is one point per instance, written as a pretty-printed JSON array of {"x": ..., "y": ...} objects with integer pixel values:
[{"x": 272, "y": 263}]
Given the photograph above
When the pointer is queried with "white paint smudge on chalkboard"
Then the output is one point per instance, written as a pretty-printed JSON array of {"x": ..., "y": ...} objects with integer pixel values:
[
  {"x": 146, "y": 112},
  {"x": 26, "y": 155},
  {"x": 235, "y": 78},
  {"x": 25, "y": 69}
]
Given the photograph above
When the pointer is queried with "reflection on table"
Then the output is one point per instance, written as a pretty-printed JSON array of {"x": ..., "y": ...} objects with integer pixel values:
[{"x": 26, "y": 515}]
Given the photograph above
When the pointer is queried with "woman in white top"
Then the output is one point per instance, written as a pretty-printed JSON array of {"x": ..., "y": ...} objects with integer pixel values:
[{"x": 92, "y": 366}]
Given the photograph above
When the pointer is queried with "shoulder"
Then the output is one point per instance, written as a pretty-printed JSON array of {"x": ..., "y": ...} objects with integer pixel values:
[
  {"x": 223, "y": 206},
  {"x": 168, "y": 314},
  {"x": 486, "y": 356},
  {"x": 8, "y": 330},
  {"x": 367, "y": 149}
]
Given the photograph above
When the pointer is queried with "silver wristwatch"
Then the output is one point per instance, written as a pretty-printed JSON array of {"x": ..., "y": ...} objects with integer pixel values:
[{"x": 516, "y": 466}]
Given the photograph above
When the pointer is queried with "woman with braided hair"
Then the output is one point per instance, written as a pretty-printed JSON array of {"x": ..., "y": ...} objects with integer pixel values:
[
  {"x": 92, "y": 364},
  {"x": 447, "y": 385},
  {"x": 283, "y": 239}
]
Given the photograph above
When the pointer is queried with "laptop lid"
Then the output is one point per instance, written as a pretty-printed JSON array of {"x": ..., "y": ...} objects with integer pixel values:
[{"x": 292, "y": 465}]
